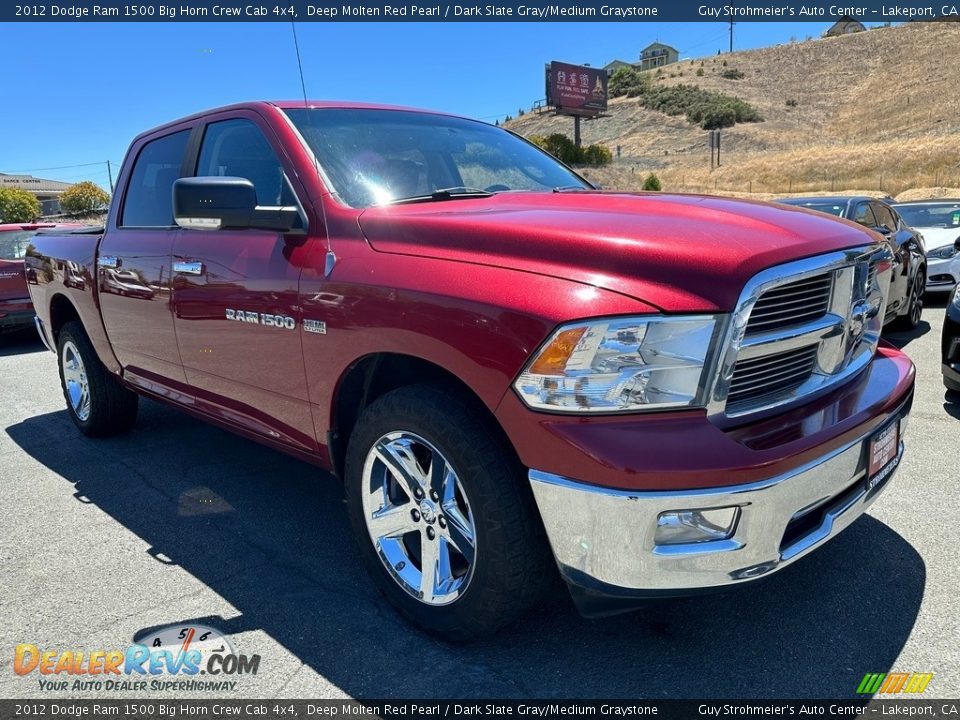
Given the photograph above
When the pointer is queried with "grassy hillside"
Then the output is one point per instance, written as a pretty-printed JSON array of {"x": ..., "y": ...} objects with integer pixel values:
[{"x": 877, "y": 111}]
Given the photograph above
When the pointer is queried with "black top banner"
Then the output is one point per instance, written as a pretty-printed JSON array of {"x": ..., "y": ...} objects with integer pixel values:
[{"x": 484, "y": 10}]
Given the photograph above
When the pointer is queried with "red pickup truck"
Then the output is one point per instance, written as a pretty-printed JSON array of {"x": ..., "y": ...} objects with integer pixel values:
[{"x": 511, "y": 371}]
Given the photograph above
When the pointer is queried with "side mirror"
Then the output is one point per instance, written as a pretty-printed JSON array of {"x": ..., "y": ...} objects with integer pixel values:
[
  {"x": 956, "y": 244},
  {"x": 883, "y": 230},
  {"x": 219, "y": 203}
]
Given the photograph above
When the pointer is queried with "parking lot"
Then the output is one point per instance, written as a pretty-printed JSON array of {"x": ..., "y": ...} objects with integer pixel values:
[{"x": 179, "y": 521}]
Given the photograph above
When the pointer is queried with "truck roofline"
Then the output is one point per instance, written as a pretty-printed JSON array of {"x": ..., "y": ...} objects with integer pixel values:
[{"x": 256, "y": 105}]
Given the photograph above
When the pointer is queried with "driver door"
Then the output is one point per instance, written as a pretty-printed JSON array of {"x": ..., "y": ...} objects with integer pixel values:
[{"x": 235, "y": 294}]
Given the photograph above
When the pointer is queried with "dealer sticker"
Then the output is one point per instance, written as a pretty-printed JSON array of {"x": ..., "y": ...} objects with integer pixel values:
[{"x": 883, "y": 454}]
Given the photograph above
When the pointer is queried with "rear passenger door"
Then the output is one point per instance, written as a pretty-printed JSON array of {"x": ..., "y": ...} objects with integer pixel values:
[
  {"x": 236, "y": 296},
  {"x": 133, "y": 273}
]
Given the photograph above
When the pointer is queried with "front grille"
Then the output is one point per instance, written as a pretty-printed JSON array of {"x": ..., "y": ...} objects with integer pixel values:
[
  {"x": 803, "y": 327},
  {"x": 791, "y": 304},
  {"x": 770, "y": 375}
]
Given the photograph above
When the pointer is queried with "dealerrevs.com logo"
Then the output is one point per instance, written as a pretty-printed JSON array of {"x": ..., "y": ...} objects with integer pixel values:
[{"x": 169, "y": 658}]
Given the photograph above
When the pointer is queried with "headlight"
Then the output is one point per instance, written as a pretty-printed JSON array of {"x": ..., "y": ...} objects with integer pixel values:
[
  {"x": 620, "y": 364},
  {"x": 943, "y": 253}
]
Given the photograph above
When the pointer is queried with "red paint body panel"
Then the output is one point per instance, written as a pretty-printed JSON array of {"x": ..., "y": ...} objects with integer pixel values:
[
  {"x": 683, "y": 450},
  {"x": 472, "y": 286},
  {"x": 681, "y": 253},
  {"x": 16, "y": 308}
]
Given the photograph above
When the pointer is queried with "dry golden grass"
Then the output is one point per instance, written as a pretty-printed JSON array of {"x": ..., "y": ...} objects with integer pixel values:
[{"x": 876, "y": 112}]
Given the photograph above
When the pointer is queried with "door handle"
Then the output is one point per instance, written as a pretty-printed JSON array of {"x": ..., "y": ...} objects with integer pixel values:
[
  {"x": 109, "y": 261},
  {"x": 188, "y": 268}
]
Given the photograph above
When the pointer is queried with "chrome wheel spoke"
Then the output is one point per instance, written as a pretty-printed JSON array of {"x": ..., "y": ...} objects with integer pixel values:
[
  {"x": 429, "y": 567},
  {"x": 400, "y": 461},
  {"x": 391, "y": 521},
  {"x": 459, "y": 532}
]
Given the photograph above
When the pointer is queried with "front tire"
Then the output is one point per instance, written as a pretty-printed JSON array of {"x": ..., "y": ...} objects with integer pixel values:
[
  {"x": 441, "y": 510},
  {"x": 98, "y": 404}
]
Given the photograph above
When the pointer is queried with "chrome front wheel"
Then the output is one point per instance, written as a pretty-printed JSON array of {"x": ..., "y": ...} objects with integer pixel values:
[
  {"x": 76, "y": 385},
  {"x": 418, "y": 517}
]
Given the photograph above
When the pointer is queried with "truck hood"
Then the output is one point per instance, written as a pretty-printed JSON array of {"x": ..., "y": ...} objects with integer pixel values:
[{"x": 680, "y": 253}]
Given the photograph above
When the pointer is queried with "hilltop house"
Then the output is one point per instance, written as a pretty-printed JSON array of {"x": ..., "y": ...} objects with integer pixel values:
[
  {"x": 656, "y": 55},
  {"x": 48, "y": 192},
  {"x": 653, "y": 56},
  {"x": 845, "y": 26}
]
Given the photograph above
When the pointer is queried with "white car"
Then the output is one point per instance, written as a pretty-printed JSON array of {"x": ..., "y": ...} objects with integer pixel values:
[{"x": 939, "y": 223}]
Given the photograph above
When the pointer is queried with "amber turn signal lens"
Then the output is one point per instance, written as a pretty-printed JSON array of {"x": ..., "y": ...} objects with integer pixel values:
[{"x": 553, "y": 359}]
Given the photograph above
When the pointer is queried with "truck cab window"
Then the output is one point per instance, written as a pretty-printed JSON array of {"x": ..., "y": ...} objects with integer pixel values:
[
  {"x": 149, "y": 199},
  {"x": 237, "y": 148}
]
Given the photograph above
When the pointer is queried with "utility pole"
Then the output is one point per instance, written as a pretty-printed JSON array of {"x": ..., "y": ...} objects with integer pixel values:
[
  {"x": 732, "y": 23},
  {"x": 110, "y": 175}
]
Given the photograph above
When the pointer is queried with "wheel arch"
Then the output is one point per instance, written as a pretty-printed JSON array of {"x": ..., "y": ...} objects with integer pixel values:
[
  {"x": 62, "y": 311},
  {"x": 376, "y": 374}
]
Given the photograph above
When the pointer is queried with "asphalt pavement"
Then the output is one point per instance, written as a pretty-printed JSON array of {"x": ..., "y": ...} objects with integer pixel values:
[{"x": 179, "y": 521}]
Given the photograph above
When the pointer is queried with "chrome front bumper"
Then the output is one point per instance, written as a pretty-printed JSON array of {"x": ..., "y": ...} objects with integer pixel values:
[{"x": 604, "y": 539}]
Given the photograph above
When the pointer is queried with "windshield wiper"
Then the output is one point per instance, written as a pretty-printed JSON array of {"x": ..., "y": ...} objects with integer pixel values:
[
  {"x": 451, "y": 193},
  {"x": 573, "y": 188}
]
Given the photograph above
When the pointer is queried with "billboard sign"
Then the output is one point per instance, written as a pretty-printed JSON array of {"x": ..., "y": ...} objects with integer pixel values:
[{"x": 576, "y": 89}]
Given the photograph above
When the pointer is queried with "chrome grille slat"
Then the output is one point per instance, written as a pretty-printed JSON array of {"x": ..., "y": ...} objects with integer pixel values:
[
  {"x": 784, "y": 367},
  {"x": 746, "y": 393},
  {"x": 792, "y": 303},
  {"x": 799, "y": 299}
]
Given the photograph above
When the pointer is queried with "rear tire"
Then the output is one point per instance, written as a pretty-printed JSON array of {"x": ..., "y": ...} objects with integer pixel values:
[
  {"x": 424, "y": 460},
  {"x": 911, "y": 319},
  {"x": 98, "y": 404}
]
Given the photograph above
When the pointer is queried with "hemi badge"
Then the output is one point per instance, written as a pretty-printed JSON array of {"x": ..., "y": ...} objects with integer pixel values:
[{"x": 315, "y": 326}]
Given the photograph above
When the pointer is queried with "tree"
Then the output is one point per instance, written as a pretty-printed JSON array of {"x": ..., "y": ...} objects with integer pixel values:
[
  {"x": 652, "y": 183},
  {"x": 18, "y": 206},
  {"x": 84, "y": 197},
  {"x": 628, "y": 81}
]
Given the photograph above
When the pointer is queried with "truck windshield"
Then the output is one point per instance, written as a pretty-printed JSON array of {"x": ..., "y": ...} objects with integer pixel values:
[
  {"x": 13, "y": 245},
  {"x": 374, "y": 157}
]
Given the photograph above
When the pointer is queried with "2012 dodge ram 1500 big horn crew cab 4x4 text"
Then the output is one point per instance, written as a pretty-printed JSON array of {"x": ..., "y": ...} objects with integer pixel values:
[{"x": 664, "y": 393}]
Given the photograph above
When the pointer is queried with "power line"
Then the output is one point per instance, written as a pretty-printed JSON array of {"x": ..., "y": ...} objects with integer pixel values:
[{"x": 59, "y": 167}]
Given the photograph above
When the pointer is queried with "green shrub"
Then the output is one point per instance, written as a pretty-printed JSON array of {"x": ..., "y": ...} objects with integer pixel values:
[
  {"x": 563, "y": 149},
  {"x": 699, "y": 72},
  {"x": 732, "y": 74},
  {"x": 629, "y": 82},
  {"x": 791, "y": 102},
  {"x": 652, "y": 183},
  {"x": 84, "y": 197},
  {"x": 18, "y": 206},
  {"x": 597, "y": 155}
]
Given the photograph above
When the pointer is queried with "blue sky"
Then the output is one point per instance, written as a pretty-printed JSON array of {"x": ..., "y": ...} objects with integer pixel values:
[{"x": 83, "y": 91}]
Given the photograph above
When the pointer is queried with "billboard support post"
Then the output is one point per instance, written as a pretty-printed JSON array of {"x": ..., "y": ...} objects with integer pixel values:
[{"x": 576, "y": 130}]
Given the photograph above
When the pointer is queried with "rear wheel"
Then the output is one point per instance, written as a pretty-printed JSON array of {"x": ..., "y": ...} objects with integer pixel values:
[
  {"x": 98, "y": 404},
  {"x": 911, "y": 319},
  {"x": 443, "y": 515}
]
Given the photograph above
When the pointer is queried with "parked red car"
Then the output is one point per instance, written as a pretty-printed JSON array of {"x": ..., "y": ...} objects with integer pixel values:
[
  {"x": 16, "y": 309},
  {"x": 512, "y": 372}
]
